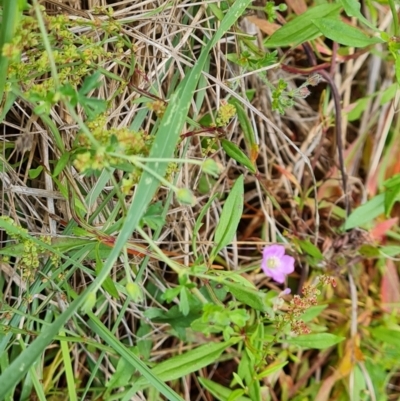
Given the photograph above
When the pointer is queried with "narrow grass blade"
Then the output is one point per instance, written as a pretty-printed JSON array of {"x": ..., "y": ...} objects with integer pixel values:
[
  {"x": 230, "y": 217},
  {"x": 130, "y": 357},
  {"x": 7, "y": 30}
]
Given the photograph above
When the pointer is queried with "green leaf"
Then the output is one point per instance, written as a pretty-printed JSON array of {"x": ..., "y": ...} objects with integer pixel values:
[
  {"x": 271, "y": 369},
  {"x": 312, "y": 312},
  {"x": 314, "y": 341},
  {"x": 233, "y": 151},
  {"x": 10, "y": 18},
  {"x": 392, "y": 193},
  {"x": 174, "y": 318},
  {"x": 245, "y": 124},
  {"x": 218, "y": 391},
  {"x": 61, "y": 163},
  {"x": 97, "y": 326},
  {"x": 184, "y": 301},
  {"x": 310, "y": 249},
  {"x": 121, "y": 377},
  {"x": 153, "y": 216},
  {"x": 107, "y": 284},
  {"x": 300, "y": 30},
  {"x": 352, "y": 9},
  {"x": 369, "y": 251},
  {"x": 91, "y": 82},
  {"x": 343, "y": 33},
  {"x": 230, "y": 217},
  {"x": 35, "y": 172},
  {"x": 144, "y": 342},
  {"x": 199, "y": 223},
  {"x": 366, "y": 213},
  {"x": 186, "y": 363},
  {"x": 359, "y": 108},
  {"x": 387, "y": 336},
  {"x": 249, "y": 296},
  {"x": 390, "y": 250}
]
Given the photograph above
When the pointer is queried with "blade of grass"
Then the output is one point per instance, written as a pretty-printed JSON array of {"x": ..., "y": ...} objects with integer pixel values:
[
  {"x": 7, "y": 31},
  {"x": 69, "y": 374},
  {"x": 98, "y": 327},
  {"x": 163, "y": 147}
]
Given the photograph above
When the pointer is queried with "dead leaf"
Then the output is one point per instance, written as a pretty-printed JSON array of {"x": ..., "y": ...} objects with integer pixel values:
[
  {"x": 263, "y": 25},
  {"x": 326, "y": 388},
  {"x": 379, "y": 231},
  {"x": 298, "y": 6},
  {"x": 390, "y": 288}
]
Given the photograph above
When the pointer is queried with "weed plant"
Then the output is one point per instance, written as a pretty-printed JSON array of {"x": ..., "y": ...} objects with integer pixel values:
[{"x": 199, "y": 201}]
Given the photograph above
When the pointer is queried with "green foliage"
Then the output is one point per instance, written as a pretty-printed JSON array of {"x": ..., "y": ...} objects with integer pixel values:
[
  {"x": 299, "y": 30},
  {"x": 230, "y": 217},
  {"x": 233, "y": 151},
  {"x": 117, "y": 201},
  {"x": 221, "y": 319},
  {"x": 380, "y": 204},
  {"x": 319, "y": 341}
]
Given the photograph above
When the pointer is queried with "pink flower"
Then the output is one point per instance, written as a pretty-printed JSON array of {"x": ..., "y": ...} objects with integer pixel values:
[{"x": 276, "y": 264}]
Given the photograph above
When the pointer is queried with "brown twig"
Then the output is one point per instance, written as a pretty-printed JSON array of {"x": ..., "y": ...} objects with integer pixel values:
[{"x": 338, "y": 115}]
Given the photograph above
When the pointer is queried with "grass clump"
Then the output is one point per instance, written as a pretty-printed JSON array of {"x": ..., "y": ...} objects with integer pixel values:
[{"x": 195, "y": 202}]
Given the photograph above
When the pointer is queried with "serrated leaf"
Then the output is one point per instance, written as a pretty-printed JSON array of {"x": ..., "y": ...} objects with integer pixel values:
[
  {"x": 299, "y": 30},
  {"x": 230, "y": 217},
  {"x": 233, "y": 151},
  {"x": 343, "y": 33},
  {"x": 315, "y": 341}
]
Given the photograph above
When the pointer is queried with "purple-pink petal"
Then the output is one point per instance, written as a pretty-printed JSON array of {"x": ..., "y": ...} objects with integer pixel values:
[
  {"x": 278, "y": 276},
  {"x": 274, "y": 250},
  {"x": 287, "y": 264},
  {"x": 276, "y": 264}
]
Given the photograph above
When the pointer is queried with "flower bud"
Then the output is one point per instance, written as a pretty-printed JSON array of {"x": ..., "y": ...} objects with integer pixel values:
[
  {"x": 209, "y": 166},
  {"x": 134, "y": 291},
  {"x": 186, "y": 196}
]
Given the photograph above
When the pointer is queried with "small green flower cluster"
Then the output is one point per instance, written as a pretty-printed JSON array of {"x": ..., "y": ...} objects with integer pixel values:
[
  {"x": 75, "y": 56},
  {"x": 29, "y": 260},
  {"x": 122, "y": 141},
  {"x": 158, "y": 106},
  {"x": 225, "y": 113}
]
